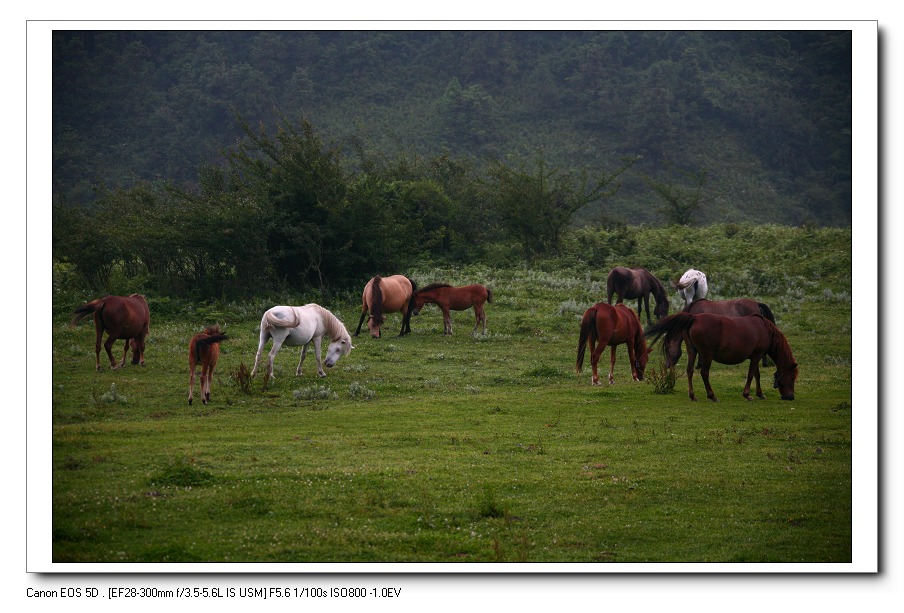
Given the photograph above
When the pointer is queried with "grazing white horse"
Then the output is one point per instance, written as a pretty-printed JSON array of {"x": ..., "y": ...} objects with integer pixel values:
[
  {"x": 692, "y": 286},
  {"x": 301, "y": 326}
]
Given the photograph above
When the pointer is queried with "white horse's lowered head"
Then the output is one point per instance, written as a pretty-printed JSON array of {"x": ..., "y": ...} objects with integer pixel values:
[
  {"x": 692, "y": 286},
  {"x": 300, "y": 327}
]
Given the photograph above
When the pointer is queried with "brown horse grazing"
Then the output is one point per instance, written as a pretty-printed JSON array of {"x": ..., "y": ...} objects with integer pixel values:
[
  {"x": 123, "y": 317},
  {"x": 612, "y": 325},
  {"x": 451, "y": 298},
  {"x": 204, "y": 348},
  {"x": 730, "y": 308},
  {"x": 637, "y": 283},
  {"x": 730, "y": 340},
  {"x": 386, "y": 295}
]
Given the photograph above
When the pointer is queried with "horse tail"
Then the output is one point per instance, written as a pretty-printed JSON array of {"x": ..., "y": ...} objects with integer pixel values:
[
  {"x": 670, "y": 327},
  {"x": 276, "y": 322},
  {"x": 413, "y": 292},
  {"x": 85, "y": 310},
  {"x": 376, "y": 301},
  {"x": 489, "y": 295},
  {"x": 205, "y": 341},
  {"x": 588, "y": 333},
  {"x": 766, "y": 312}
]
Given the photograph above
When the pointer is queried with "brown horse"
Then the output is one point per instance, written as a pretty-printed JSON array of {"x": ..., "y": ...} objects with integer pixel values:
[
  {"x": 730, "y": 340},
  {"x": 604, "y": 324},
  {"x": 740, "y": 307},
  {"x": 204, "y": 349},
  {"x": 637, "y": 283},
  {"x": 449, "y": 298},
  {"x": 386, "y": 295},
  {"x": 123, "y": 317}
]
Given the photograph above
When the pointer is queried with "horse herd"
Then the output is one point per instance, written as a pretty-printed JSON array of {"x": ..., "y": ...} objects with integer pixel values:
[{"x": 724, "y": 331}]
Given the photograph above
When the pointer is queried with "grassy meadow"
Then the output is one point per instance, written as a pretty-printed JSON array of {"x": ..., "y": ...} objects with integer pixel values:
[{"x": 431, "y": 448}]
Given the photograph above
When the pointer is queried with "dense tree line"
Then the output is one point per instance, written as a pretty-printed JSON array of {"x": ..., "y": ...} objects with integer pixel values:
[
  {"x": 283, "y": 211},
  {"x": 764, "y": 116}
]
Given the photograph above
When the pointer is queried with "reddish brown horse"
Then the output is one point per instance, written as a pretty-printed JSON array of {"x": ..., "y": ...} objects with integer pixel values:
[
  {"x": 729, "y": 308},
  {"x": 730, "y": 340},
  {"x": 386, "y": 295},
  {"x": 204, "y": 349},
  {"x": 449, "y": 298},
  {"x": 123, "y": 317},
  {"x": 606, "y": 325},
  {"x": 639, "y": 283}
]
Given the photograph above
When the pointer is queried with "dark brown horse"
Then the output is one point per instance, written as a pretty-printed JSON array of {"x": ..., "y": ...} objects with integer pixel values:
[
  {"x": 382, "y": 295},
  {"x": 730, "y": 340},
  {"x": 449, "y": 298},
  {"x": 123, "y": 317},
  {"x": 639, "y": 283},
  {"x": 606, "y": 325},
  {"x": 204, "y": 349},
  {"x": 740, "y": 307}
]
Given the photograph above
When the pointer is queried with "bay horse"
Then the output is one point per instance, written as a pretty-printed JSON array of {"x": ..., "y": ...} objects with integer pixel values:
[
  {"x": 692, "y": 286},
  {"x": 730, "y": 340},
  {"x": 449, "y": 298},
  {"x": 386, "y": 295},
  {"x": 204, "y": 349},
  {"x": 123, "y": 317},
  {"x": 739, "y": 307},
  {"x": 606, "y": 325},
  {"x": 637, "y": 283},
  {"x": 302, "y": 326}
]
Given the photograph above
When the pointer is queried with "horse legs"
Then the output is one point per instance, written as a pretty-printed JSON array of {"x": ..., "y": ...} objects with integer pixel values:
[
  {"x": 304, "y": 351},
  {"x": 109, "y": 347},
  {"x": 704, "y": 374},
  {"x": 100, "y": 337},
  {"x": 260, "y": 348},
  {"x": 361, "y": 321},
  {"x": 277, "y": 344},
  {"x": 480, "y": 316},
  {"x": 595, "y": 353},
  {"x": 691, "y": 357},
  {"x": 612, "y": 365},
  {"x": 753, "y": 372},
  {"x": 191, "y": 382},
  {"x": 207, "y": 381},
  {"x": 316, "y": 340},
  {"x": 447, "y": 321}
]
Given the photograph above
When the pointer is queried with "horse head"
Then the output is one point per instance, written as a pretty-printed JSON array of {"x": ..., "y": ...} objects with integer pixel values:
[
  {"x": 662, "y": 308},
  {"x": 783, "y": 381},
  {"x": 337, "y": 348}
]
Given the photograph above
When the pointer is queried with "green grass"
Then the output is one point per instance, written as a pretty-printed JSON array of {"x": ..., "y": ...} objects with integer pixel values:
[{"x": 455, "y": 449}]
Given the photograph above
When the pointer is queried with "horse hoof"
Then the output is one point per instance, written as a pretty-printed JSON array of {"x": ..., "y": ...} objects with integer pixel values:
[{"x": 189, "y": 401}]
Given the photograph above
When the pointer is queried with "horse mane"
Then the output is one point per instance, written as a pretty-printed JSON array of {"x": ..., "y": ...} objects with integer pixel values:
[
  {"x": 211, "y": 330},
  {"x": 779, "y": 349},
  {"x": 334, "y": 326},
  {"x": 376, "y": 301},
  {"x": 431, "y": 286}
]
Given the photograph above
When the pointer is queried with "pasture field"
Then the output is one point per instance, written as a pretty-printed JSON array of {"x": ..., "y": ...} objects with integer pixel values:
[{"x": 429, "y": 449}]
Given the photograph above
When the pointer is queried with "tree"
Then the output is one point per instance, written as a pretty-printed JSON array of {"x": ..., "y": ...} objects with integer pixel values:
[
  {"x": 536, "y": 206},
  {"x": 680, "y": 202}
]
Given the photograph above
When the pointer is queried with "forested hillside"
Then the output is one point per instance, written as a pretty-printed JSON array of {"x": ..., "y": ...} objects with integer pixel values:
[
  {"x": 765, "y": 115},
  {"x": 223, "y": 163}
]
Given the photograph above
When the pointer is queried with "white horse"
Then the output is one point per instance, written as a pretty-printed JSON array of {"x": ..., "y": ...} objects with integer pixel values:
[
  {"x": 692, "y": 286},
  {"x": 301, "y": 326}
]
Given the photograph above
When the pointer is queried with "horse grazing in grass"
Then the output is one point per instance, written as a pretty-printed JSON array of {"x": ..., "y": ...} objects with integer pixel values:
[
  {"x": 692, "y": 286},
  {"x": 730, "y": 340},
  {"x": 386, "y": 295},
  {"x": 604, "y": 324},
  {"x": 639, "y": 283},
  {"x": 123, "y": 317},
  {"x": 740, "y": 307},
  {"x": 301, "y": 326},
  {"x": 204, "y": 349},
  {"x": 449, "y": 298}
]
